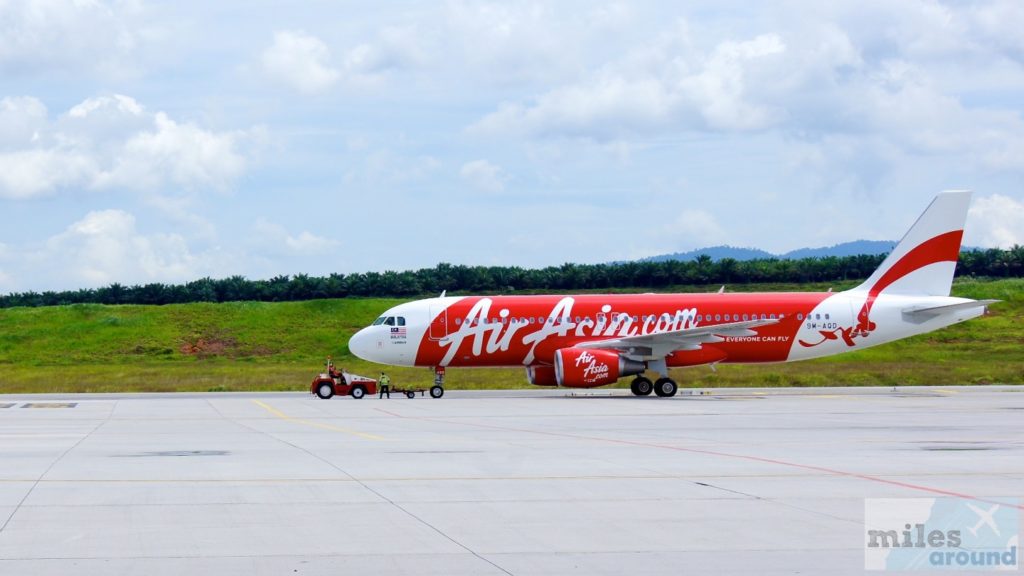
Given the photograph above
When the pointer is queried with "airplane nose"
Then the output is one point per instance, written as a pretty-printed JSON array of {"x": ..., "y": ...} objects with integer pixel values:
[{"x": 359, "y": 344}]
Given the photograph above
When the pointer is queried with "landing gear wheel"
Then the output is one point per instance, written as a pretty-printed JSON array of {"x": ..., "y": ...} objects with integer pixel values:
[
  {"x": 641, "y": 386},
  {"x": 325, "y": 391},
  {"x": 358, "y": 392},
  {"x": 436, "y": 391},
  {"x": 665, "y": 387},
  {"x": 410, "y": 394}
]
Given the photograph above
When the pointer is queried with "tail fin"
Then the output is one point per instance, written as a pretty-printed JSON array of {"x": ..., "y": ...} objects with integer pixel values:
[{"x": 922, "y": 264}]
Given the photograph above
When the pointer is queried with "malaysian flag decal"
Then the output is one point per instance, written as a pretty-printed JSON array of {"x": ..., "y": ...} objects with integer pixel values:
[{"x": 398, "y": 332}]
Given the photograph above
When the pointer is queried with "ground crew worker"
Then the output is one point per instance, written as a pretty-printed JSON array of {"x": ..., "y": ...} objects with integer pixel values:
[{"x": 385, "y": 385}]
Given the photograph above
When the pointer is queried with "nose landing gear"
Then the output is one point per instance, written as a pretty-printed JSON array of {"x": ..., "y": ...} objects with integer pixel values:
[{"x": 437, "y": 390}]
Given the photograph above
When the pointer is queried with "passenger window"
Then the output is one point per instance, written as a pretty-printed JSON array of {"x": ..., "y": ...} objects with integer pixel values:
[
  {"x": 458, "y": 321},
  {"x": 799, "y": 316},
  {"x": 744, "y": 317},
  {"x": 772, "y": 316},
  {"x": 764, "y": 317},
  {"x": 390, "y": 321},
  {"x": 817, "y": 316},
  {"x": 718, "y": 317},
  {"x": 826, "y": 316}
]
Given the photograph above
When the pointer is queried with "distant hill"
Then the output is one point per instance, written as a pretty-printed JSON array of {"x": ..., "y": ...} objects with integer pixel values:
[{"x": 716, "y": 253}]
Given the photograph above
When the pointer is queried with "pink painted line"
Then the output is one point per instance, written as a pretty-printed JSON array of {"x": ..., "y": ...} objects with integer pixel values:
[{"x": 833, "y": 471}]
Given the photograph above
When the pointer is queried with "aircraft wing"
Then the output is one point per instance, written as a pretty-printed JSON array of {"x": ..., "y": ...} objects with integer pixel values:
[{"x": 661, "y": 344}]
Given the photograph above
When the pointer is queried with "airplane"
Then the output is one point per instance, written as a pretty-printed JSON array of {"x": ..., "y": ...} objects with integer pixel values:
[
  {"x": 590, "y": 340},
  {"x": 984, "y": 519}
]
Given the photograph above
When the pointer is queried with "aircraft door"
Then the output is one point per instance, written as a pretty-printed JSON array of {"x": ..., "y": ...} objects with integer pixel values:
[{"x": 438, "y": 322}]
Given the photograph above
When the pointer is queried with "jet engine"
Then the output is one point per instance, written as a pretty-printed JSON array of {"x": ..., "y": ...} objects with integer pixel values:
[
  {"x": 581, "y": 368},
  {"x": 541, "y": 375}
]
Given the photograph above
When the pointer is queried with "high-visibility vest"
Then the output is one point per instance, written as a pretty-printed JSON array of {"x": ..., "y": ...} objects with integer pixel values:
[{"x": 385, "y": 380}]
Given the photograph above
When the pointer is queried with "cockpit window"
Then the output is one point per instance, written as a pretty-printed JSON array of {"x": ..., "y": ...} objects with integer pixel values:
[
  {"x": 389, "y": 321},
  {"x": 401, "y": 320},
  {"x": 378, "y": 321}
]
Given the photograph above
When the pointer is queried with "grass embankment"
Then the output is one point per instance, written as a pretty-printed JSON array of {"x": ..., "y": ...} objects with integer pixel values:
[{"x": 280, "y": 346}]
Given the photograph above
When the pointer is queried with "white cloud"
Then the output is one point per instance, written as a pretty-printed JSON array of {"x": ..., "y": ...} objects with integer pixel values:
[
  {"x": 394, "y": 48},
  {"x": 300, "y": 60},
  {"x": 118, "y": 102},
  {"x": 484, "y": 175},
  {"x": 304, "y": 62},
  {"x": 21, "y": 118},
  {"x": 111, "y": 142},
  {"x": 276, "y": 238},
  {"x": 103, "y": 120},
  {"x": 34, "y": 172},
  {"x": 105, "y": 247},
  {"x": 719, "y": 90},
  {"x": 181, "y": 154},
  {"x": 652, "y": 90},
  {"x": 695, "y": 229},
  {"x": 180, "y": 211},
  {"x": 834, "y": 79},
  {"x": 384, "y": 166},
  {"x": 995, "y": 221},
  {"x": 104, "y": 36}
]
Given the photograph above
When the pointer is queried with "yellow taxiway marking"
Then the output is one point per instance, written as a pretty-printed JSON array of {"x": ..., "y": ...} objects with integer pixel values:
[{"x": 320, "y": 425}]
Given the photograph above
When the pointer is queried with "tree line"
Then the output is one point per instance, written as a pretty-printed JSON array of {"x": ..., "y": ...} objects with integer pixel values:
[{"x": 460, "y": 278}]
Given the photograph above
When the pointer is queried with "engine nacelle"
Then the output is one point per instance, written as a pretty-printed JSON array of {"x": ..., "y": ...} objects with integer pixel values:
[
  {"x": 541, "y": 375},
  {"x": 581, "y": 368}
]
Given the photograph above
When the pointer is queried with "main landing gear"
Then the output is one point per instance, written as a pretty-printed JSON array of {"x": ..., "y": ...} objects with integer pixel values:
[
  {"x": 664, "y": 386},
  {"x": 641, "y": 386}
]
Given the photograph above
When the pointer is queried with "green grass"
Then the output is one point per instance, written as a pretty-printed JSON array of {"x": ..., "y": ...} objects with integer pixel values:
[{"x": 280, "y": 346}]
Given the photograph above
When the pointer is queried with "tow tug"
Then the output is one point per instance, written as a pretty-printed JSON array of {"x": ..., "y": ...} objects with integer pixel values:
[
  {"x": 336, "y": 382},
  {"x": 341, "y": 383}
]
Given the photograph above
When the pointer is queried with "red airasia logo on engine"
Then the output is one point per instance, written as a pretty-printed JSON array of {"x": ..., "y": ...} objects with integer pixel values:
[{"x": 579, "y": 368}]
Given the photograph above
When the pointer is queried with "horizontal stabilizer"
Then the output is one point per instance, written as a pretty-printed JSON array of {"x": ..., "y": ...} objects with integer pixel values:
[{"x": 938, "y": 310}]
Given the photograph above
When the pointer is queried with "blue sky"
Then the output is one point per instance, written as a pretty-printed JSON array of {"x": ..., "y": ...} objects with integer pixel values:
[{"x": 162, "y": 142}]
